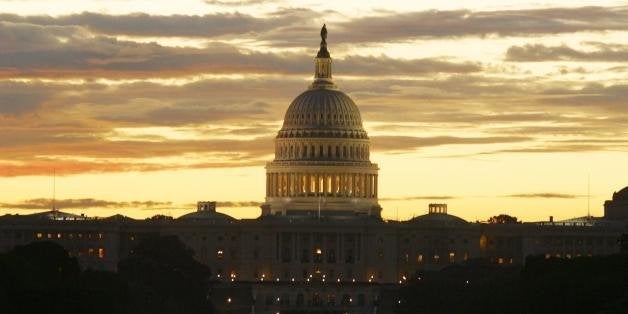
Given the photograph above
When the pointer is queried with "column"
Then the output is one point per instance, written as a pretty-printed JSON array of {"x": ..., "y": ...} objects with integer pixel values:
[
  {"x": 368, "y": 186},
  {"x": 375, "y": 186}
]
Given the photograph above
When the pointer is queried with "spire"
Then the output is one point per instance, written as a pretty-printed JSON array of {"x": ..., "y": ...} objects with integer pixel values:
[{"x": 322, "y": 64}]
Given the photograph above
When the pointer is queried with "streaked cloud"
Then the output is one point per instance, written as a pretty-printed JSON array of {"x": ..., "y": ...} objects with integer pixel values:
[
  {"x": 418, "y": 197},
  {"x": 544, "y": 195},
  {"x": 393, "y": 26},
  {"x": 46, "y": 203},
  {"x": 540, "y": 53},
  {"x": 406, "y": 143},
  {"x": 142, "y": 24},
  {"x": 72, "y": 52}
]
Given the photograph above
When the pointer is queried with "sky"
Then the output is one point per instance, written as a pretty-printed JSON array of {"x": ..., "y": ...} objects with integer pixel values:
[{"x": 146, "y": 107}]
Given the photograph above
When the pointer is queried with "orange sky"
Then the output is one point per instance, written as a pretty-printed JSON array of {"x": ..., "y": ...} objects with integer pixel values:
[{"x": 144, "y": 108}]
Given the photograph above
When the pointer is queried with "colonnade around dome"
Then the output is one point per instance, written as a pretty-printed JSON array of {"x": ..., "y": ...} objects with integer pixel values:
[{"x": 300, "y": 184}]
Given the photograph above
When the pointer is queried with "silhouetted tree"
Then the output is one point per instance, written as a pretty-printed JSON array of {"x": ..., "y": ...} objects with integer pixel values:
[
  {"x": 580, "y": 285},
  {"x": 503, "y": 219},
  {"x": 40, "y": 277},
  {"x": 164, "y": 278}
]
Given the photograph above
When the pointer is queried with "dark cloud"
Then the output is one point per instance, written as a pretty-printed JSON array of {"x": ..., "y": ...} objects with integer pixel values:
[
  {"x": 409, "y": 143},
  {"x": 538, "y": 53},
  {"x": 19, "y": 98},
  {"x": 543, "y": 195},
  {"x": 46, "y": 203},
  {"x": 387, "y": 27},
  {"x": 560, "y": 148},
  {"x": 239, "y": 204},
  {"x": 141, "y": 24},
  {"x": 71, "y": 52},
  {"x": 612, "y": 98},
  {"x": 418, "y": 197}
]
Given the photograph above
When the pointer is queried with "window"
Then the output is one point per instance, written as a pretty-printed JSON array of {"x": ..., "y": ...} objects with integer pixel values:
[
  {"x": 419, "y": 258},
  {"x": 39, "y": 235},
  {"x": 219, "y": 254},
  {"x": 452, "y": 257},
  {"x": 101, "y": 253},
  {"x": 90, "y": 252}
]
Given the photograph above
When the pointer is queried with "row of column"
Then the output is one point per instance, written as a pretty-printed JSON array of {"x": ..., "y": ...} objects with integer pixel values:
[{"x": 294, "y": 184}]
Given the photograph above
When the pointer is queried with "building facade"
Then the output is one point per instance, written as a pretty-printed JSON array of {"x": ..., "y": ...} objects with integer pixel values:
[{"x": 320, "y": 244}]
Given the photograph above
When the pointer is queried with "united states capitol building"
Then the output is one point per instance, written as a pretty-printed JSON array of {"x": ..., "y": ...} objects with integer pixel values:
[{"x": 320, "y": 244}]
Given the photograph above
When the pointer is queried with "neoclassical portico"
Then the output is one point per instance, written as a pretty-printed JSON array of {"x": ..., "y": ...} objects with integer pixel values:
[{"x": 322, "y": 153}]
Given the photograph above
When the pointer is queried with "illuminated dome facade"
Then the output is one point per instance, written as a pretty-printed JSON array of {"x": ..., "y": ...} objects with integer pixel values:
[{"x": 322, "y": 164}]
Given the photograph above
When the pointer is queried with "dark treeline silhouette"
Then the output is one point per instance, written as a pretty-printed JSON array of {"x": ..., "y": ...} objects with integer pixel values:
[
  {"x": 160, "y": 276},
  {"x": 597, "y": 284}
]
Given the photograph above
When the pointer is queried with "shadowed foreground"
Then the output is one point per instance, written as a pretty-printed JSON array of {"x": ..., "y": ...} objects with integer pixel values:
[{"x": 159, "y": 277}]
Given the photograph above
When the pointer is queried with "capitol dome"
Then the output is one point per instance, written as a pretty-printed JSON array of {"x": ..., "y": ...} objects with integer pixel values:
[
  {"x": 323, "y": 109},
  {"x": 322, "y": 164}
]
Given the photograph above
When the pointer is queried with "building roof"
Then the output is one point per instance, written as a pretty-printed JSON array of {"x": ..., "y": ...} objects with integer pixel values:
[
  {"x": 206, "y": 215},
  {"x": 439, "y": 219},
  {"x": 622, "y": 195}
]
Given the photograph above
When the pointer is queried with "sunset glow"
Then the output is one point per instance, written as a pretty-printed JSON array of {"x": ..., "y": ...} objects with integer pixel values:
[{"x": 146, "y": 107}]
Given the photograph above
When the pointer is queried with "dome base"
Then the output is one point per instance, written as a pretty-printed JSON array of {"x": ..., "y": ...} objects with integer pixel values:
[{"x": 329, "y": 206}]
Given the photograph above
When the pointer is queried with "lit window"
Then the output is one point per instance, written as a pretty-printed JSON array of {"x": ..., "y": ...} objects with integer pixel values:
[
  {"x": 500, "y": 260},
  {"x": 101, "y": 253},
  {"x": 80, "y": 235},
  {"x": 419, "y": 258},
  {"x": 219, "y": 254},
  {"x": 90, "y": 252},
  {"x": 466, "y": 256},
  {"x": 59, "y": 235},
  {"x": 436, "y": 258},
  {"x": 319, "y": 251},
  {"x": 132, "y": 238},
  {"x": 71, "y": 235},
  {"x": 101, "y": 236},
  {"x": 40, "y": 235},
  {"x": 452, "y": 256},
  {"x": 49, "y": 236}
]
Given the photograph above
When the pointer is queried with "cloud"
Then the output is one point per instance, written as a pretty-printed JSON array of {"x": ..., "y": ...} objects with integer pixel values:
[
  {"x": 18, "y": 98},
  {"x": 406, "y": 26},
  {"x": 142, "y": 24},
  {"x": 68, "y": 51},
  {"x": 544, "y": 195},
  {"x": 239, "y": 204},
  {"x": 45, "y": 203},
  {"x": 409, "y": 143},
  {"x": 611, "y": 98},
  {"x": 418, "y": 197},
  {"x": 541, "y": 53}
]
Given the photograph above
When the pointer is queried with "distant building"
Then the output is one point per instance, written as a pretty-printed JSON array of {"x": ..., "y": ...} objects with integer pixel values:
[
  {"x": 617, "y": 208},
  {"x": 320, "y": 244}
]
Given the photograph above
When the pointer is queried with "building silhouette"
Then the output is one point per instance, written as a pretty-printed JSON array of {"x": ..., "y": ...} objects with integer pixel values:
[{"x": 320, "y": 244}]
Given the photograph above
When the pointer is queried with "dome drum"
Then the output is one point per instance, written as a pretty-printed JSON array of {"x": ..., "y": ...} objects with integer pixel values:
[{"x": 322, "y": 149}]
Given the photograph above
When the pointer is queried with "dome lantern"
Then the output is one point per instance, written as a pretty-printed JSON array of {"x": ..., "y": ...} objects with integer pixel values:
[{"x": 322, "y": 64}]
